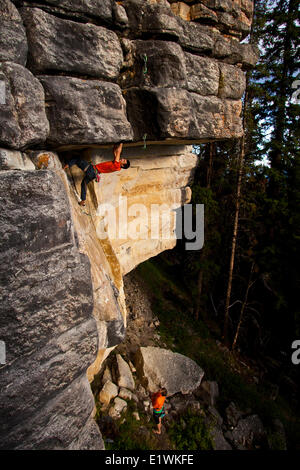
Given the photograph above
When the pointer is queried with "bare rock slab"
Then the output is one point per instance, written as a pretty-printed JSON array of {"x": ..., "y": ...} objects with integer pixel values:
[
  {"x": 23, "y": 120},
  {"x": 146, "y": 17},
  {"x": 248, "y": 432},
  {"x": 108, "y": 392},
  {"x": 67, "y": 46},
  {"x": 161, "y": 367},
  {"x": 14, "y": 160},
  {"x": 13, "y": 42},
  {"x": 117, "y": 408},
  {"x": 174, "y": 113},
  {"x": 85, "y": 111},
  {"x": 126, "y": 379},
  {"x": 101, "y": 9}
]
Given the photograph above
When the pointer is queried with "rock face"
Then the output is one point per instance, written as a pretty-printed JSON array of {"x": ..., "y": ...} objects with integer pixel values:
[
  {"x": 248, "y": 431},
  {"x": 48, "y": 326},
  {"x": 160, "y": 367},
  {"x": 84, "y": 74},
  {"x": 14, "y": 160},
  {"x": 125, "y": 376},
  {"x": 68, "y": 46},
  {"x": 13, "y": 42},
  {"x": 108, "y": 392},
  {"x": 101, "y": 9},
  {"x": 24, "y": 110},
  {"x": 151, "y": 190},
  {"x": 178, "y": 85},
  {"x": 84, "y": 112}
]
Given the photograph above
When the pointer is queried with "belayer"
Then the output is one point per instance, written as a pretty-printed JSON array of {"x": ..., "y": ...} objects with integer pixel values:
[
  {"x": 93, "y": 171},
  {"x": 158, "y": 401}
]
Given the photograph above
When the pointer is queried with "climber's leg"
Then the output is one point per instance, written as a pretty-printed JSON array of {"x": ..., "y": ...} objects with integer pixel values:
[{"x": 89, "y": 176}]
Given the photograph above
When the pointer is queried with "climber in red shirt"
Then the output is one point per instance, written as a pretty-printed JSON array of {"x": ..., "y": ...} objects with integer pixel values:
[{"x": 93, "y": 171}]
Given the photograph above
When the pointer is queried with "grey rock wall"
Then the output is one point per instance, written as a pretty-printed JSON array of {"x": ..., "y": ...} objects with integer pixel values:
[
  {"x": 13, "y": 44},
  {"x": 46, "y": 317},
  {"x": 67, "y": 46},
  {"x": 23, "y": 120},
  {"x": 133, "y": 49},
  {"x": 84, "y": 111}
]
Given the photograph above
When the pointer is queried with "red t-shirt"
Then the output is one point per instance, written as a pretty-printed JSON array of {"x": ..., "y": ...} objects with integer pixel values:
[{"x": 108, "y": 167}]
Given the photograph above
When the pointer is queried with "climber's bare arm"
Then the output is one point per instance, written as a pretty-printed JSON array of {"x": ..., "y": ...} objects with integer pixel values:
[{"x": 117, "y": 151}]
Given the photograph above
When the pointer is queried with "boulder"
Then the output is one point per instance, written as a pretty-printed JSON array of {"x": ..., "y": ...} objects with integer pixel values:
[
  {"x": 13, "y": 42},
  {"x": 24, "y": 113},
  {"x": 127, "y": 394},
  {"x": 54, "y": 45},
  {"x": 108, "y": 392},
  {"x": 248, "y": 433},
  {"x": 208, "y": 392},
  {"x": 183, "y": 403},
  {"x": 106, "y": 376},
  {"x": 160, "y": 367},
  {"x": 118, "y": 407},
  {"x": 125, "y": 376},
  {"x": 14, "y": 160},
  {"x": 233, "y": 414},
  {"x": 214, "y": 416},
  {"x": 84, "y": 111}
]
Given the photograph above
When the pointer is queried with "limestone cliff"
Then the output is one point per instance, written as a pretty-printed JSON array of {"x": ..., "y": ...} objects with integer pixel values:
[{"x": 79, "y": 76}]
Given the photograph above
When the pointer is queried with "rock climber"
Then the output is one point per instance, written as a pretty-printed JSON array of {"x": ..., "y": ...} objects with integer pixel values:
[
  {"x": 158, "y": 401},
  {"x": 93, "y": 171}
]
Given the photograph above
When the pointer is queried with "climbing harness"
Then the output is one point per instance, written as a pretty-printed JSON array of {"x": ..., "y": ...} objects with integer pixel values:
[{"x": 97, "y": 173}]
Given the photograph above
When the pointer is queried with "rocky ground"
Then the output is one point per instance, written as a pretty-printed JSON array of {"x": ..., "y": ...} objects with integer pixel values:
[{"x": 135, "y": 369}]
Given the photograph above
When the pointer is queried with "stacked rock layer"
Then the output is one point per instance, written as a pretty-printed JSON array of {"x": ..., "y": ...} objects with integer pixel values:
[{"x": 85, "y": 74}]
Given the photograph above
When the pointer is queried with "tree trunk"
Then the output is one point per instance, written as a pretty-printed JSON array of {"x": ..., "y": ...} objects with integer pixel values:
[
  {"x": 234, "y": 238},
  {"x": 243, "y": 308}
]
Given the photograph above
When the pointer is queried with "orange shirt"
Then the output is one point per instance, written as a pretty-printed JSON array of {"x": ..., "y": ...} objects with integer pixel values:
[
  {"x": 157, "y": 401},
  {"x": 108, "y": 167}
]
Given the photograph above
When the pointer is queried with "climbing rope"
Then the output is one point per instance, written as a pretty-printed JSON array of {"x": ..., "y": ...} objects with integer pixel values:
[
  {"x": 145, "y": 70},
  {"x": 144, "y": 139}
]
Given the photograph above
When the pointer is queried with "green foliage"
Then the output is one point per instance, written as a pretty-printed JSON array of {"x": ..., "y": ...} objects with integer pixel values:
[
  {"x": 127, "y": 434},
  {"x": 190, "y": 432}
]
